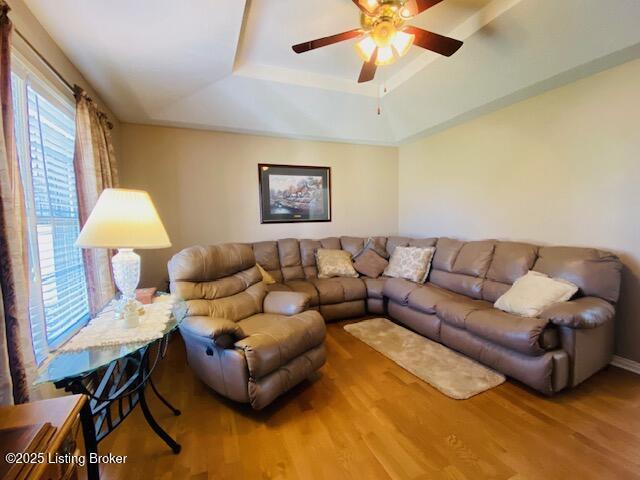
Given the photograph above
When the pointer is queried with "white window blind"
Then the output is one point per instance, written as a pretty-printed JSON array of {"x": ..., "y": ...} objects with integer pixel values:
[{"x": 45, "y": 134}]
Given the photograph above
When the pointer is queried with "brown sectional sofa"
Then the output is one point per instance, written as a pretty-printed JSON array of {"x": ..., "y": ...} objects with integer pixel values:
[{"x": 567, "y": 344}]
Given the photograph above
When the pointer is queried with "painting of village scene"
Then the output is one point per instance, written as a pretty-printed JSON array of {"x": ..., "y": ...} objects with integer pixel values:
[{"x": 294, "y": 194}]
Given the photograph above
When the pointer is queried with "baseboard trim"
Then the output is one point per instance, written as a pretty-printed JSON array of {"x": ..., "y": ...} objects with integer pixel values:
[{"x": 626, "y": 364}]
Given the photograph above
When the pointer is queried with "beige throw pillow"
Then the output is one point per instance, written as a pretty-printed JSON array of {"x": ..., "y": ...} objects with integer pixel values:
[
  {"x": 266, "y": 276},
  {"x": 334, "y": 263},
  {"x": 533, "y": 292},
  {"x": 411, "y": 263}
]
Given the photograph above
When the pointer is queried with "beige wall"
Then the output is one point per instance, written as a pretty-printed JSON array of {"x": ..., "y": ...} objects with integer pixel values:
[
  {"x": 205, "y": 185},
  {"x": 560, "y": 168}
]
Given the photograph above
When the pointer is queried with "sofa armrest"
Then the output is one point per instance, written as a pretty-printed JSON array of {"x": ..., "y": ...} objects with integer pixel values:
[
  {"x": 286, "y": 303},
  {"x": 585, "y": 312},
  {"x": 222, "y": 331}
]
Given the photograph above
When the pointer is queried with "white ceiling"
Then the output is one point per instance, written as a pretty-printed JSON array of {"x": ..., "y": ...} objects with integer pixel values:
[{"x": 228, "y": 64}]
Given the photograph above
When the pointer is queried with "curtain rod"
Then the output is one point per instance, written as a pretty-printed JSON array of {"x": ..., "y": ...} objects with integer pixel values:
[
  {"x": 46, "y": 62},
  {"x": 74, "y": 89}
]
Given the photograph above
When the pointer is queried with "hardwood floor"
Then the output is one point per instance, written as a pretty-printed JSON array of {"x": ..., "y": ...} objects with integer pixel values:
[{"x": 363, "y": 417}]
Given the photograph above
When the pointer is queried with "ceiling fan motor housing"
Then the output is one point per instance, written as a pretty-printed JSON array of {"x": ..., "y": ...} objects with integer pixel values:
[{"x": 384, "y": 22}]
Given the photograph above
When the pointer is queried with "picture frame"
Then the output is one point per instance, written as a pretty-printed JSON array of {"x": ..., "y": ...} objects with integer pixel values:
[{"x": 294, "y": 193}]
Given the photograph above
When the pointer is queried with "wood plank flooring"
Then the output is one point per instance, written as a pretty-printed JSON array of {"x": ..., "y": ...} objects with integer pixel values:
[{"x": 363, "y": 417}]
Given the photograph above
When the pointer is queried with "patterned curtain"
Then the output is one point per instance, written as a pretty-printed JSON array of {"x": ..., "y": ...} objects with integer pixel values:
[
  {"x": 95, "y": 166},
  {"x": 17, "y": 362}
]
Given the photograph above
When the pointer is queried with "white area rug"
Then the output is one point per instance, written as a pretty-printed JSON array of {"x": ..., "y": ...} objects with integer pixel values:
[{"x": 452, "y": 373}]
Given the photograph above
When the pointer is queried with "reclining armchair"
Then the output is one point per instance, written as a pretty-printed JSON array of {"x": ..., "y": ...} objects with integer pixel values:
[{"x": 245, "y": 343}]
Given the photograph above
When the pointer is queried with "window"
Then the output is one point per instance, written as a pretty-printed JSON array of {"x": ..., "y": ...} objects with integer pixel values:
[{"x": 45, "y": 135}]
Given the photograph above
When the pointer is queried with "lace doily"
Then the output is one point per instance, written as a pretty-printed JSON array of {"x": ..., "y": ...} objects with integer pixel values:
[{"x": 105, "y": 331}]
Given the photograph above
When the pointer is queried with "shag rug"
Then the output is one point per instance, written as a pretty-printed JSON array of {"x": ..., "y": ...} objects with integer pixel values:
[{"x": 453, "y": 374}]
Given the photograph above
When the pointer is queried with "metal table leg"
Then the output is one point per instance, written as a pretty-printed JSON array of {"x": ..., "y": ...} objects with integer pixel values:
[
  {"x": 90, "y": 442},
  {"x": 175, "y": 447}
]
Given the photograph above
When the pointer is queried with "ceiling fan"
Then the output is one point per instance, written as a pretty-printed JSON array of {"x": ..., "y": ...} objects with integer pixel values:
[{"x": 384, "y": 35}]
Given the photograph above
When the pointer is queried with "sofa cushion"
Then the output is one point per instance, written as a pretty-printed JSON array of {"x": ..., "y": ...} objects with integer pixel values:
[
  {"x": 266, "y": 254},
  {"x": 290, "y": 261},
  {"x": 474, "y": 258},
  {"x": 447, "y": 250},
  {"x": 511, "y": 260},
  {"x": 370, "y": 264},
  {"x": 273, "y": 340},
  {"x": 375, "y": 286},
  {"x": 534, "y": 292},
  {"x": 393, "y": 242},
  {"x": 411, "y": 263},
  {"x": 353, "y": 245},
  {"x": 339, "y": 289},
  {"x": 455, "y": 311},
  {"x": 305, "y": 286},
  {"x": 285, "y": 303},
  {"x": 423, "y": 242},
  {"x": 426, "y": 297},
  {"x": 595, "y": 272},
  {"x": 458, "y": 282},
  {"x": 308, "y": 249},
  {"x": 398, "y": 290},
  {"x": 521, "y": 334},
  {"x": 334, "y": 263},
  {"x": 278, "y": 287}
]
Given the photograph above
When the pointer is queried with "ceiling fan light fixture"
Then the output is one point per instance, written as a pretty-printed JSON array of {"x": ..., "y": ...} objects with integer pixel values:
[
  {"x": 402, "y": 42},
  {"x": 383, "y": 33},
  {"x": 405, "y": 13},
  {"x": 366, "y": 47},
  {"x": 385, "y": 56},
  {"x": 371, "y": 5}
]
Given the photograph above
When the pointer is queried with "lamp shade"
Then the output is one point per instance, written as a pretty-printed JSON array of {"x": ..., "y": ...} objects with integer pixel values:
[{"x": 123, "y": 218}]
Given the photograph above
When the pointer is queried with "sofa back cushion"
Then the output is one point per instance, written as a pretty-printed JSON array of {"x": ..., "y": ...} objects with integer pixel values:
[
  {"x": 353, "y": 245},
  {"x": 204, "y": 264},
  {"x": 218, "y": 279},
  {"x": 596, "y": 273},
  {"x": 511, "y": 260},
  {"x": 290, "y": 261},
  {"x": 266, "y": 254},
  {"x": 461, "y": 266}
]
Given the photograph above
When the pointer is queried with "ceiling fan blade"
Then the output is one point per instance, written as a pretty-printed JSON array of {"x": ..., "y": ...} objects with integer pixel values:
[
  {"x": 416, "y": 7},
  {"x": 324, "y": 41},
  {"x": 432, "y": 41},
  {"x": 369, "y": 68}
]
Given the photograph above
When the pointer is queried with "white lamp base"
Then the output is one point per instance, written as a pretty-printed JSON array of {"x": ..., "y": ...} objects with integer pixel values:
[{"x": 126, "y": 273}]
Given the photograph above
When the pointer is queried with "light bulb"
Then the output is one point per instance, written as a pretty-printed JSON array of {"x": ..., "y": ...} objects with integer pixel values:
[
  {"x": 402, "y": 42},
  {"x": 371, "y": 5},
  {"x": 385, "y": 56},
  {"x": 366, "y": 47}
]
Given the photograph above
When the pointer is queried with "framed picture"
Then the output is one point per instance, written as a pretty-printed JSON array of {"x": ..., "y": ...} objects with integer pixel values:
[{"x": 293, "y": 193}]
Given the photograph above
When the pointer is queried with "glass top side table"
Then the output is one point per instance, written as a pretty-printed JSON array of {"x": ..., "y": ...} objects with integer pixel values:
[{"x": 114, "y": 379}]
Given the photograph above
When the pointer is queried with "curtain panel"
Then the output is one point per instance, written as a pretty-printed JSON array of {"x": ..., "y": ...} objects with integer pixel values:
[
  {"x": 17, "y": 361},
  {"x": 95, "y": 166}
]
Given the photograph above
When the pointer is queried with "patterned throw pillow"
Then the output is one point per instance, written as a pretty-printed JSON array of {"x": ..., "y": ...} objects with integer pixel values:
[
  {"x": 411, "y": 263},
  {"x": 370, "y": 264},
  {"x": 334, "y": 263}
]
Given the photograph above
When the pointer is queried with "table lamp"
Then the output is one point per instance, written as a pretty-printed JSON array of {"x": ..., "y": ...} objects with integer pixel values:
[{"x": 124, "y": 219}]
